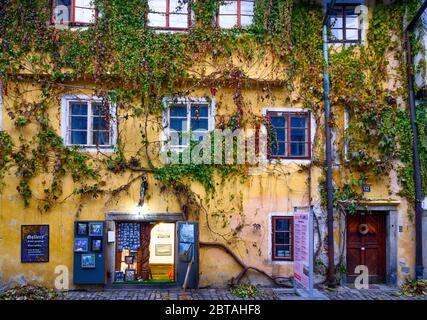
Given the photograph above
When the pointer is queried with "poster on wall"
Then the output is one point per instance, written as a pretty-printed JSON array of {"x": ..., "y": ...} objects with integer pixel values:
[
  {"x": 129, "y": 237},
  {"x": 303, "y": 247},
  {"x": 186, "y": 233},
  {"x": 34, "y": 243}
]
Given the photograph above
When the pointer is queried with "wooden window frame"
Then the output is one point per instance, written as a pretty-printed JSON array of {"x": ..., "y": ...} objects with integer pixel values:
[
  {"x": 168, "y": 13},
  {"x": 73, "y": 21},
  {"x": 238, "y": 13},
  {"x": 307, "y": 142},
  {"x": 344, "y": 41},
  {"x": 273, "y": 238}
]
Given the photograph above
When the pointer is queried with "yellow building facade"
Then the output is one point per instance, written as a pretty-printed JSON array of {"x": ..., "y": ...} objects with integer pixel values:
[{"x": 250, "y": 214}]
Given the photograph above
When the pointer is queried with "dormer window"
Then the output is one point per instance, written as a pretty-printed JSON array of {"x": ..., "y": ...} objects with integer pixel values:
[
  {"x": 74, "y": 12},
  {"x": 235, "y": 13},
  {"x": 171, "y": 15}
]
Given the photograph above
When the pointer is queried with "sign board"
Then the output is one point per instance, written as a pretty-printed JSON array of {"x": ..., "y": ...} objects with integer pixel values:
[
  {"x": 303, "y": 248},
  {"x": 34, "y": 243}
]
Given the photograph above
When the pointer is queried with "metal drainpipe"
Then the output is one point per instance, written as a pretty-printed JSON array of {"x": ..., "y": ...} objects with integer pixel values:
[
  {"x": 419, "y": 268},
  {"x": 329, "y": 187}
]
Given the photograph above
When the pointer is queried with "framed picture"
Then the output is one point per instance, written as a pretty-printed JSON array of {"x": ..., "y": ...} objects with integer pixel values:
[
  {"x": 129, "y": 259},
  {"x": 88, "y": 261},
  {"x": 186, "y": 233},
  {"x": 96, "y": 244},
  {"x": 119, "y": 276},
  {"x": 163, "y": 250},
  {"x": 81, "y": 245},
  {"x": 130, "y": 275},
  {"x": 95, "y": 229},
  {"x": 82, "y": 228}
]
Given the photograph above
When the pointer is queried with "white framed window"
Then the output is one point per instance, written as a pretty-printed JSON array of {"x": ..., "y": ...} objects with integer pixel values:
[
  {"x": 235, "y": 13},
  {"x": 169, "y": 15},
  {"x": 88, "y": 122},
  {"x": 185, "y": 119}
]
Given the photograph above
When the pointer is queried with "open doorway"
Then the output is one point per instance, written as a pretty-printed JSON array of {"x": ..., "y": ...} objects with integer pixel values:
[{"x": 145, "y": 253}]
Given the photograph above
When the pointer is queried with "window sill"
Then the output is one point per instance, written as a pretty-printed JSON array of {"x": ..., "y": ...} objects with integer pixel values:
[
  {"x": 288, "y": 161},
  {"x": 89, "y": 149},
  {"x": 282, "y": 262}
]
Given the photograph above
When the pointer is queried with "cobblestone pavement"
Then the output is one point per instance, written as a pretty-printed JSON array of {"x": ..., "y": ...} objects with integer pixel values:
[
  {"x": 341, "y": 293},
  {"x": 377, "y": 292},
  {"x": 163, "y": 294}
]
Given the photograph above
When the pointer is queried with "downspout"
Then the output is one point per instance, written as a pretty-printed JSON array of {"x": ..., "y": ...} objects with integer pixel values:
[
  {"x": 329, "y": 187},
  {"x": 419, "y": 268}
]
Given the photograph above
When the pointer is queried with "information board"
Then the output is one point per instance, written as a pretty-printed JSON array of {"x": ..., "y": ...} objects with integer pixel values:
[
  {"x": 303, "y": 247},
  {"x": 34, "y": 243}
]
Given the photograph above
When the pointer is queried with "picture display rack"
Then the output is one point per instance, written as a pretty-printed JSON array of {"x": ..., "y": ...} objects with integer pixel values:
[{"x": 89, "y": 252}]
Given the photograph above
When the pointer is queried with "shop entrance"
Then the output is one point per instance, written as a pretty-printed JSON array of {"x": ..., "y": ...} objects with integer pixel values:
[{"x": 145, "y": 253}]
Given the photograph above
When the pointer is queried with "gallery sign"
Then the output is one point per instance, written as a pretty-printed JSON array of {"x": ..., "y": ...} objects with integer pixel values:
[
  {"x": 303, "y": 247},
  {"x": 35, "y": 243}
]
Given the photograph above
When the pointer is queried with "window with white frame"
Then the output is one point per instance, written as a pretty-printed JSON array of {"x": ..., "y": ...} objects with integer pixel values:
[
  {"x": 78, "y": 12},
  {"x": 235, "y": 13},
  {"x": 89, "y": 123},
  {"x": 169, "y": 14},
  {"x": 185, "y": 118}
]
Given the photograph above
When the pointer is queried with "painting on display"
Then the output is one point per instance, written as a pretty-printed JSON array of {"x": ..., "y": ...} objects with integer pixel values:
[
  {"x": 82, "y": 229},
  {"x": 34, "y": 243},
  {"x": 95, "y": 229},
  {"x": 88, "y": 261},
  {"x": 81, "y": 245},
  {"x": 186, "y": 233},
  {"x": 164, "y": 250},
  {"x": 128, "y": 236},
  {"x": 96, "y": 244}
]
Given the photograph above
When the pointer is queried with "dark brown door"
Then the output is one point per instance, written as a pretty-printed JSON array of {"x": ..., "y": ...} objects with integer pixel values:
[{"x": 366, "y": 236}]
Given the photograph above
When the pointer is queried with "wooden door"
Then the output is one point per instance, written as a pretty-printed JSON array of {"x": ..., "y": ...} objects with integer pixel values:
[{"x": 366, "y": 245}]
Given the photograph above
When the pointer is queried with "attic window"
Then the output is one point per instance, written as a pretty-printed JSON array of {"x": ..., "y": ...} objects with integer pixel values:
[
  {"x": 172, "y": 15},
  {"x": 235, "y": 13},
  {"x": 75, "y": 12}
]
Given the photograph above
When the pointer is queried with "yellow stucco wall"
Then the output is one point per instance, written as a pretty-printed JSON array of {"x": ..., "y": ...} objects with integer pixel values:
[{"x": 275, "y": 190}]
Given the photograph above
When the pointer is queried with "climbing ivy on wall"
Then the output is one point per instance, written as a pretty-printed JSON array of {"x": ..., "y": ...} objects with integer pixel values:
[{"x": 135, "y": 67}]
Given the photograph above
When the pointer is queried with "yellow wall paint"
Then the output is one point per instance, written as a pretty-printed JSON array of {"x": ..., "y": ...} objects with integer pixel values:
[{"x": 278, "y": 189}]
